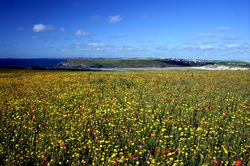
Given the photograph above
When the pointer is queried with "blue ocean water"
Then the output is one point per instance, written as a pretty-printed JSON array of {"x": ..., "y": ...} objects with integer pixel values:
[{"x": 27, "y": 63}]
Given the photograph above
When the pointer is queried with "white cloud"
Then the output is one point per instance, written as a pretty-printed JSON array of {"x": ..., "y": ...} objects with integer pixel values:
[
  {"x": 110, "y": 19},
  {"x": 158, "y": 47},
  {"x": 218, "y": 36},
  {"x": 34, "y": 37},
  {"x": 206, "y": 47},
  {"x": 100, "y": 47},
  {"x": 117, "y": 36},
  {"x": 97, "y": 18},
  {"x": 80, "y": 32},
  {"x": 20, "y": 28},
  {"x": 129, "y": 48},
  {"x": 209, "y": 35},
  {"x": 61, "y": 29},
  {"x": 114, "y": 19},
  {"x": 42, "y": 28},
  {"x": 230, "y": 38},
  {"x": 232, "y": 45},
  {"x": 222, "y": 28},
  {"x": 95, "y": 44}
]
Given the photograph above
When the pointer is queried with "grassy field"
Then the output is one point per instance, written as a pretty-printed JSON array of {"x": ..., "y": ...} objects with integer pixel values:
[
  {"x": 110, "y": 63},
  {"x": 124, "y": 118},
  {"x": 134, "y": 63},
  {"x": 137, "y": 63}
]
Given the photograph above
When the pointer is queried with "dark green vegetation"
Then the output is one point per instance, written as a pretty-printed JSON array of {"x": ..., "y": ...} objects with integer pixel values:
[
  {"x": 137, "y": 63},
  {"x": 126, "y": 63}
]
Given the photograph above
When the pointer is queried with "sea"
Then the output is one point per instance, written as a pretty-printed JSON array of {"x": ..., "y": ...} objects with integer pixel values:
[{"x": 30, "y": 63}]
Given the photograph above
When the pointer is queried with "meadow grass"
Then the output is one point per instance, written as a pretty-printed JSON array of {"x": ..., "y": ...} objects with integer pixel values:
[{"x": 124, "y": 118}]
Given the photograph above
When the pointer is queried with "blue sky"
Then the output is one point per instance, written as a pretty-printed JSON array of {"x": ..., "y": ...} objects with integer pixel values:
[{"x": 196, "y": 29}]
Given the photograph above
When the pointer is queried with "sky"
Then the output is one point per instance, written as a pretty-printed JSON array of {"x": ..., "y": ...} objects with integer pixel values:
[{"x": 189, "y": 29}]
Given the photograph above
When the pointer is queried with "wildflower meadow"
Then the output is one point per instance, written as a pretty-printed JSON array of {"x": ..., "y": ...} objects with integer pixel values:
[{"x": 189, "y": 117}]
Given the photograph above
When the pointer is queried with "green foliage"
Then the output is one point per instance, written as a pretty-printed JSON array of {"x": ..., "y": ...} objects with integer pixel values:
[{"x": 122, "y": 63}]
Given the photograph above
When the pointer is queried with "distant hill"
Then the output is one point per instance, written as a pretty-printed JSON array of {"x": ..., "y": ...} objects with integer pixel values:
[
  {"x": 102, "y": 63},
  {"x": 134, "y": 63},
  {"x": 144, "y": 63}
]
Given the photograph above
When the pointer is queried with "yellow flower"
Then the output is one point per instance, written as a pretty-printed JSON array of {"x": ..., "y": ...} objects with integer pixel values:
[{"x": 199, "y": 129}]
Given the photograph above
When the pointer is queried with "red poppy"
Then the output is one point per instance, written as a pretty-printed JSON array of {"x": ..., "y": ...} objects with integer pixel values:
[
  {"x": 215, "y": 162},
  {"x": 46, "y": 158},
  {"x": 129, "y": 140},
  {"x": 134, "y": 156},
  {"x": 168, "y": 150},
  {"x": 88, "y": 132},
  {"x": 82, "y": 110},
  {"x": 157, "y": 81},
  {"x": 238, "y": 163},
  {"x": 158, "y": 151},
  {"x": 65, "y": 147}
]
